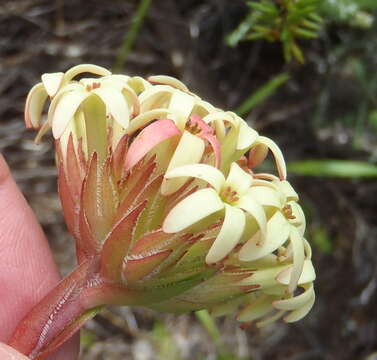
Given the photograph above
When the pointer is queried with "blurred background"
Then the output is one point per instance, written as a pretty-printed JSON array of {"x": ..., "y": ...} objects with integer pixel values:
[{"x": 302, "y": 72}]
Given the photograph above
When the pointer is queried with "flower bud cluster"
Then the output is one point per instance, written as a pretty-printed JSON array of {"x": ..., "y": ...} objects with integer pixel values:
[{"x": 162, "y": 188}]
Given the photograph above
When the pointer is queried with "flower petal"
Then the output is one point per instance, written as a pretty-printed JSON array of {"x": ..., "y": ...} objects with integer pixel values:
[
  {"x": 145, "y": 118},
  {"x": 298, "y": 314},
  {"x": 207, "y": 133},
  {"x": 264, "y": 195},
  {"x": 85, "y": 68},
  {"x": 218, "y": 118},
  {"x": 298, "y": 258},
  {"x": 119, "y": 80},
  {"x": 157, "y": 96},
  {"x": 115, "y": 103},
  {"x": 205, "y": 172},
  {"x": 295, "y": 302},
  {"x": 307, "y": 275},
  {"x": 308, "y": 249},
  {"x": 190, "y": 150},
  {"x": 168, "y": 80},
  {"x": 120, "y": 83},
  {"x": 238, "y": 179},
  {"x": 277, "y": 233},
  {"x": 279, "y": 158},
  {"x": 229, "y": 235},
  {"x": 138, "y": 84},
  {"x": 299, "y": 217},
  {"x": 214, "y": 142},
  {"x": 264, "y": 278},
  {"x": 246, "y": 136},
  {"x": 34, "y": 106},
  {"x": 151, "y": 136},
  {"x": 65, "y": 109},
  {"x": 204, "y": 107},
  {"x": 257, "y": 155},
  {"x": 287, "y": 190},
  {"x": 256, "y": 210},
  {"x": 52, "y": 82},
  {"x": 270, "y": 319},
  {"x": 181, "y": 104},
  {"x": 257, "y": 308},
  {"x": 192, "y": 209}
]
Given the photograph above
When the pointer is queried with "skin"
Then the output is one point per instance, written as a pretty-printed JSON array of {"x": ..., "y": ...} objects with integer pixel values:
[{"x": 27, "y": 268}]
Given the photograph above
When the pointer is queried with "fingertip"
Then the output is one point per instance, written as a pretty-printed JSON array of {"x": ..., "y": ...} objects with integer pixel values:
[{"x": 8, "y": 353}]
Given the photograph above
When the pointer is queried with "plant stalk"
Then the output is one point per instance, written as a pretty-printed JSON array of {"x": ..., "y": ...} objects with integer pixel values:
[{"x": 57, "y": 316}]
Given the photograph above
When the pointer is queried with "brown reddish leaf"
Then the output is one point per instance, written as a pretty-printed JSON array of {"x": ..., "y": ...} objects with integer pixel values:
[
  {"x": 73, "y": 170},
  {"x": 117, "y": 244},
  {"x": 70, "y": 209},
  {"x": 119, "y": 157},
  {"x": 157, "y": 241},
  {"x": 137, "y": 269},
  {"x": 136, "y": 182}
]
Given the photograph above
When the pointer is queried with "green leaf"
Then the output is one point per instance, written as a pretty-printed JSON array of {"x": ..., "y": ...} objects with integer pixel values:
[
  {"x": 262, "y": 93},
  {"x": 240, "y": 32},
  {"x": 262, "y": 29},
  {"x": 315, "y": 26},
  {"x": 297, "y": 53},
  {"x": 315, "y": 17},
  {"x": 265, "y": 7},
  {"x": 129, "y": 40},
  {"x": 255, "y": 36},
  {"x": 333, "y": 168},
  {"x": 305, "y": 33},
  {"x": 209, "y": 324}
]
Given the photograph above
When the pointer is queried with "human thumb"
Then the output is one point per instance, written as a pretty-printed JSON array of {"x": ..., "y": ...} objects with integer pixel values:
[{"x": 8, "y": 353}]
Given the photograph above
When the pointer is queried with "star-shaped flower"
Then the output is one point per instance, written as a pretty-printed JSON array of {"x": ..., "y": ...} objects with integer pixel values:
[
  {"x": 287, "y": 223},
  {"x": 69, "y": 97},
  {"x": 231, "y": 194}
]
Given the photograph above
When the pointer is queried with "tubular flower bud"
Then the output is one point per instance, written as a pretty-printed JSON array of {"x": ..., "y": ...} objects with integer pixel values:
[{"x": 158, "y": 191}]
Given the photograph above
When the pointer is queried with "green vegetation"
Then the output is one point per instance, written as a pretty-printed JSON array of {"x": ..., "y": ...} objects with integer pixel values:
[
  {"x": 130, "y": 38},
  {"x": 333, "y": 168},
  {"x": 285, "y": 21},
  {"x": 262, "y": 93}
]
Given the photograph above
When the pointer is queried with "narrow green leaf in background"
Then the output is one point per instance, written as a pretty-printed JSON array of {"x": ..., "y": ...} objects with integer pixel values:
[
  {"x": 130, "y": 38},
  {"x": 209, "y": 324},
  {"x": 262, "y": 93},
  {"x": 333, "y": 168}
]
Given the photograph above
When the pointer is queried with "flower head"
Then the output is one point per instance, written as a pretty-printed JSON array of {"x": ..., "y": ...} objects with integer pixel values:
[{"x": 160, "y": 191}]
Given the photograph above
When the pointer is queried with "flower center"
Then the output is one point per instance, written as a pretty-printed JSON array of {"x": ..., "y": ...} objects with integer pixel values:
[
  {"x": 93, "y": 86},
  {"x": 288, "y": 213},
  {"x": 229, "y": 195},
  {"x": 193, "y": 127}
]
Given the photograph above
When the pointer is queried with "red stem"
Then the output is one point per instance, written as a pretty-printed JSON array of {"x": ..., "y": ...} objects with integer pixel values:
[{"x": 59, "y": 314}]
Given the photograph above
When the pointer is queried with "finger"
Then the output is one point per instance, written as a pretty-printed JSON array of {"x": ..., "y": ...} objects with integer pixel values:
[
  {"x": 27, "y": 268},
  {"x": 8, "y": 353}
]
